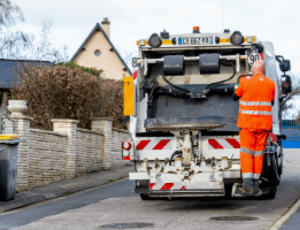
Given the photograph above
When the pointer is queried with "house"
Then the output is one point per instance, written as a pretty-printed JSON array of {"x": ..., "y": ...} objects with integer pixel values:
[
  {"x": 8, "y": 73},
  {"x": 97, "y": 51}
]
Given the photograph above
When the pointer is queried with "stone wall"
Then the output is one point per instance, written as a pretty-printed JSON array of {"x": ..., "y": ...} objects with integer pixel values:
[
  {"x": 89, "y": 151},
  {"x": 104, "y": 126},
  {"x": 47, "y": 157},
  {"x": 69, "y": 127},
  {"x": 118, "y": 137}
]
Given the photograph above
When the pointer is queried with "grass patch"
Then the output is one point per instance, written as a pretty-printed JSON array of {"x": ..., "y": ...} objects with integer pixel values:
[
  {"x": 111, "y": 180},
  {"x": 68, "y": 193}
]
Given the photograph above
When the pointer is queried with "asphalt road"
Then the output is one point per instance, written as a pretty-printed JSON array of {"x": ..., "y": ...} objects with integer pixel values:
[
  {"x": 28, "y": 215},
  {"x": 117, "y": 203}
]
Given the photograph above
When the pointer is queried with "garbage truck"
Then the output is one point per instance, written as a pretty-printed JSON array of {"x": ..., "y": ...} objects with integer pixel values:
[{"x": 184, "y": 139}]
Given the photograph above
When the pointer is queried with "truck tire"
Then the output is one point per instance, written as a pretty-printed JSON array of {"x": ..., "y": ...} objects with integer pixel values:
[
  {"x": 228, "y": 190},
  {"x": 271, "y": 195},
  {"x": 145, "y": 197},
  {"x": 279, "y": 179},
  {"x": 270, "y": 172},
  {"x": 280, "y": 168}
]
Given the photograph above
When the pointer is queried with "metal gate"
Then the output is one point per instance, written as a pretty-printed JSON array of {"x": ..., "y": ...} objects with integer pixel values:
[{"x": 291, "y": 129}]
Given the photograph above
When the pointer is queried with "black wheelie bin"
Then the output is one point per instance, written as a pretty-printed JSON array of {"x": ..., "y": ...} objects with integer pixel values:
[{"x": 8, "y": 167}]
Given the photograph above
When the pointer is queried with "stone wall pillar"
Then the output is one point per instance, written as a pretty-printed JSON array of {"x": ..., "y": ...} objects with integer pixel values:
[
  {"x": 69, "y": 127},
  {"x": 103, "y": 125},
  {"x": 22, "y": 129}
]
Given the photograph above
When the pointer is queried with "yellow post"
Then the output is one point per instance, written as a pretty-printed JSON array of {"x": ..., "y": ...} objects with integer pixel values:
[{"x": 129, "y": 96}]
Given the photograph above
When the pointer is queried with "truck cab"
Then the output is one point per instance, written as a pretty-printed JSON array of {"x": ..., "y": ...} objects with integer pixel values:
[{"x": 184, "y": 139}]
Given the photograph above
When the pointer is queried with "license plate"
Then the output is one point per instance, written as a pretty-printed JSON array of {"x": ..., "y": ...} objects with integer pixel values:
[{"x": 195, "y": 41}]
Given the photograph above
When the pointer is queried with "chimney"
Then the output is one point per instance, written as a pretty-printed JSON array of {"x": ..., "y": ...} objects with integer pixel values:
[{"x": 105, "y": 26}]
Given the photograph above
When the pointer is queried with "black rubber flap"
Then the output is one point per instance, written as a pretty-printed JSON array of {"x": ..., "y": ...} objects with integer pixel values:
[
  {"x": 209, "y": 63},
  {"x": 173, "y": 65}
]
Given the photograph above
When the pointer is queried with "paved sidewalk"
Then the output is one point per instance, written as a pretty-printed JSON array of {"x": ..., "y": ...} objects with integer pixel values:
[{"x": 65, "y": 187}]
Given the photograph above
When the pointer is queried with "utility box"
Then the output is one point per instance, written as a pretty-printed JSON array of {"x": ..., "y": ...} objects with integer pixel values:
[{"x": 8, "y": 167}]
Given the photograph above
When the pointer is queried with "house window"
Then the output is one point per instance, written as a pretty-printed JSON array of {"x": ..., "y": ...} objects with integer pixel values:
[{"x": 97, "y": 53}]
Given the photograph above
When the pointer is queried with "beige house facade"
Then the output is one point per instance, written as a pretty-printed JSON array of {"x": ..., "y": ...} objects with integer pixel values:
[{"x": 97, "y": 51}]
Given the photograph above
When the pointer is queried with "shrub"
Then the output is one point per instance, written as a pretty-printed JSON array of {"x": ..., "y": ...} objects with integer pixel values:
[{"x": 62, "y": 91}]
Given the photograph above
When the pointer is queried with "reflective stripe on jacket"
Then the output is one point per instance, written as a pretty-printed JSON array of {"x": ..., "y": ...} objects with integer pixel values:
[{"x": 256, "y": 96}]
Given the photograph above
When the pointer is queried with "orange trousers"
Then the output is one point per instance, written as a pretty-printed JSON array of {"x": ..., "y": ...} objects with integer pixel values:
[{"x": 253, "y": 143}]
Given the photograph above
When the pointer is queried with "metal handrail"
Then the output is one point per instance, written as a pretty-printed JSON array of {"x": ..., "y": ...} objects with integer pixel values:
[
  {"x": 144, "y": 63},
  {"x": 13, "y": 122}
]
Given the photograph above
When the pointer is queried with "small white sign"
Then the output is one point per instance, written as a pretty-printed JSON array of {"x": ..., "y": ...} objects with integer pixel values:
[
  {"x": 134, "y": 61},
  {"x": 254, "y": 57}
]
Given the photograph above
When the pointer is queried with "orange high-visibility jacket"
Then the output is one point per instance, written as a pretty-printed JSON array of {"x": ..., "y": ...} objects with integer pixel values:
[{"x": 256, "y": 95}]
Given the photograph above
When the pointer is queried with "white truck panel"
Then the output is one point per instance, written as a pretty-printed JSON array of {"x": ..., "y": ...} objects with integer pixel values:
[
  {"x": 155, "y": 147},
  {"x": 228, "y": 147}
]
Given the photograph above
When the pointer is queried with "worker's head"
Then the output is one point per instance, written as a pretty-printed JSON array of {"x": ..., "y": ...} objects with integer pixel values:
[{"x": 258, "y": 67}]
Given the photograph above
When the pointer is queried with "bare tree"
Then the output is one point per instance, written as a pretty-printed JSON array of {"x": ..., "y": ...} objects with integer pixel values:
[
  {"x": 10, "y": 14},
  {"x": 20, "y": 45},
  {"x": 12, "y": 43},
  {"x": 127, "y": 56},
  {"x": 42, "y": 48}
]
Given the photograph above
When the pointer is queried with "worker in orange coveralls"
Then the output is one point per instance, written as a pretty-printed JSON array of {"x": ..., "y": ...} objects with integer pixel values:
[{"x": 256, "y": 95}]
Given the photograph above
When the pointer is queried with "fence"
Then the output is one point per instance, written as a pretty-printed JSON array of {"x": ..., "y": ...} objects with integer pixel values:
[
  {"x": 49, "y": 156},
  {"x": 291, "y": 129}
]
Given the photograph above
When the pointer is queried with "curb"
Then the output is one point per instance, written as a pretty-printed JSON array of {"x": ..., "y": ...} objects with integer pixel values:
[
  {"x": 285, "y": 217},
  {"x": 42, "y": 197}
]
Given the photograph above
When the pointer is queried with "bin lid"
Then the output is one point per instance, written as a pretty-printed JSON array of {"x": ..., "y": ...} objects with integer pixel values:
[{"x": 8, "y": 136}]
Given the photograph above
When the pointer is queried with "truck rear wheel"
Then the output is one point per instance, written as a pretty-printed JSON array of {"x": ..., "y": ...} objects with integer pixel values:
[
  {"x": 271, "y": 195},
  {"x": 228, "y": 190},
  {"x": 270, "y": 169},
  {"x": 145, "y": 197}
]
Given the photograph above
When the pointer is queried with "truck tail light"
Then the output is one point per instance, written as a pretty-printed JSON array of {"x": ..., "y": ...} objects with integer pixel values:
[
  {"x": 126, "y": 145},
  {"x": 126, "y": 158}
]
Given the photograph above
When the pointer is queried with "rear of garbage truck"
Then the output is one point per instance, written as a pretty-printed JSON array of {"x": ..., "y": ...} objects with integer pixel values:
[{"x": 184, "y": 139}]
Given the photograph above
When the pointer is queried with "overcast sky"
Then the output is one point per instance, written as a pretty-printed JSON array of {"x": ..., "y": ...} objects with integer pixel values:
[{"x": 131, "y": 20}]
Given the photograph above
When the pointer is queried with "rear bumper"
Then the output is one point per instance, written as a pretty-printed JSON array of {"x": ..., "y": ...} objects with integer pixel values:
[
  {"x": 227, "y": 174},
  {"x": 190, "y": 193},
  {"x": 204, "y": 184}
]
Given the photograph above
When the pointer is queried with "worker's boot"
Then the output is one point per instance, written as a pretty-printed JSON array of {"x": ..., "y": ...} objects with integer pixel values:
[
  {"x": 257, "y": 191},
  {"x": 244, "y": 190},
  {"x": 239, "y": 191}
]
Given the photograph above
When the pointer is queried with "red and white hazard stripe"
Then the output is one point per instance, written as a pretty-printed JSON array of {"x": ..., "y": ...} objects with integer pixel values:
[
  {"x": 261, "y": 56},
  {"x": 167, "y": 186},
  {"x": 135, "y": 74},
  {"x": 226, "y": 143},
  {"x": 154, "y": 144}
]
